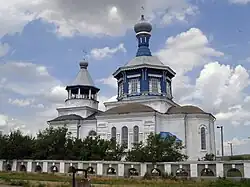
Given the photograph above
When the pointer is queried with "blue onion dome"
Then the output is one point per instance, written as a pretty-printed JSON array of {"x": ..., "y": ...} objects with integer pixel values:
[{"x": 143, "y": 26}]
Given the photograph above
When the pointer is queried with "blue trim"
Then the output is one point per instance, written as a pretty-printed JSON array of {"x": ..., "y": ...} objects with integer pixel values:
[{"x": 144, "y": 82}]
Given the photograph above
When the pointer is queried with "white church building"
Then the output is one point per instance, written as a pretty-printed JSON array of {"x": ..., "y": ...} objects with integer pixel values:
[{"x": 144, "y": 104}]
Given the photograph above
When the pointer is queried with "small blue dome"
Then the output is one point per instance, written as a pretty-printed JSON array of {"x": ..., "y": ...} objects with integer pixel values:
[{"x": 143, "y": 26}]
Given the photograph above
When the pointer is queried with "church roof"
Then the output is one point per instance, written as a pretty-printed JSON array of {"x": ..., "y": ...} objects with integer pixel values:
[
  {"x": 185, "y": 109},
  {"x": 129, "y": 108},
  {"x": 146, "y": 60},
  {"x": 83, "y": 77},
  {"x": 75, "y": 117},
  {"x": 68, "y": 117}
]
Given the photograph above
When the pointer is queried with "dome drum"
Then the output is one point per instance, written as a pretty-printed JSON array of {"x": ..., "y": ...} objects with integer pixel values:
[{"x": 144, "y": 82}]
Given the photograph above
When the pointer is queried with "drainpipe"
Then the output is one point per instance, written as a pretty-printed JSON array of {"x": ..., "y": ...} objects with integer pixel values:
[
  {"x": 155, "y": 122},
  {"x": 185, "y": 127},
  {"x": 78, "y": 129}
]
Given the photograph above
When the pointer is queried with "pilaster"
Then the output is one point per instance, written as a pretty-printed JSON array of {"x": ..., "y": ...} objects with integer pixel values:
[
  {"x": 80, "y": 166},
  {"x": 167, "y": 168},
  {"x": 247, "y": 170},
  {"x": 193, "y": 170},
  {"x": 143, "y": 169},
  {"x": 120, "y": 170},
  {"x": 219, "y": 170},
  {"x": 99, "y": 168},
  {"x": 45, "y": 167},
  {"x": 62, "y": 167},
  {"x": 1, "y": 165},
  {"x": 29, "y": 166},
  {"x": 14, "y": 165}
]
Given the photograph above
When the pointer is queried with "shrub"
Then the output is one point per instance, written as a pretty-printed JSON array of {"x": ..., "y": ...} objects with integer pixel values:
[{"x": 147, "y": 176}]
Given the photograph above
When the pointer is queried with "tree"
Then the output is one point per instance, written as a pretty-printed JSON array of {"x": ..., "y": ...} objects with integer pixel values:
[
  {"x": 115, "y": 151},
  {"x": 137, "y": 153},
  {"x": 51, "y": 144},
  {"x": 58, "y": 144},
  {"x": 94, "y": 148},
  {"x": 4, "y": 154},
  {"x": 157, "y": 149},
  {"x": 16, "y": 146}
]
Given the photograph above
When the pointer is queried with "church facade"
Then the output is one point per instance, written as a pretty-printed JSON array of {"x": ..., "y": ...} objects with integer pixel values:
[{"x": 144, "y": 104}]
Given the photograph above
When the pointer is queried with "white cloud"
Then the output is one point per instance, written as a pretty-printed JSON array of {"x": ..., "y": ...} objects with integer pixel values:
[
  {"x": 8, "y": 124},
  {"x": 242, "y": 2},
  {"x": 26, "y": 78},
  {"x": 89, "y": 17},
  {"x": 183, "y": 53},
  {"x": 25, "y": 103},
  {"x": 178, "y": 15},
  {"x": 107, "y": 51},
  {"x": 110, "y": 81},
  {"x": 109, "y": 17},
  {"x": 3, "y": 120},
  {"x": 15, "y": 14},
  {"x": 103, "y": 99},
  {"x": 4, "y": 49},
  {"x": 21, "y": 102},
  {"x": 39, "y": 91},
  {"x": 221, "y": 86},
  {"x": 56, "y": 94},
  {"x": 187, "y": 50}
]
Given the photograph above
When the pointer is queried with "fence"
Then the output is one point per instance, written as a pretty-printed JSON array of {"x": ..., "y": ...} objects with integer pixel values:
[{"x": 121, "y": 169}]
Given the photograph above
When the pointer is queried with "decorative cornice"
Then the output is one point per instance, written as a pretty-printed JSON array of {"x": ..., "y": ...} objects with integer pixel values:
[
  {"x": 133, "y": 76},
  {"x": 144, "y": 66},
  {"x": 119, "y": 80},
  {"x": 81, "y": 99},
  {"x": 167, "y": 78},
  {"x": 139, "y": 100},
  {"x": 126, "y": 117},
  {"x": 154, "y": 75},
  {"x": 190, "y": 115},
  {"x": 75, "y": 108}
]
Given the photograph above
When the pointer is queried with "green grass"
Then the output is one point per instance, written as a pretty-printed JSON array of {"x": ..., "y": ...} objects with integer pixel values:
[{"x": 50, "y": 180}]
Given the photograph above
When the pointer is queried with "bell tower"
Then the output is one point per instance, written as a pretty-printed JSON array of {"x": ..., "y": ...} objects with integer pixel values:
[{"x": 82, "y": 94}]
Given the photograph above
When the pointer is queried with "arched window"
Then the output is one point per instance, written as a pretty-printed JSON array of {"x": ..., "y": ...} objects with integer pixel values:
[
  {"x": 113, "y": 133},
  {"x": 203, "y": 138},
  {"x": 125, "y": 136},
  {"x": 136, "y": 134}
]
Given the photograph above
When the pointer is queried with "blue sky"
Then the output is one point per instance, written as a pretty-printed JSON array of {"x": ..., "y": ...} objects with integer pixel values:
[{"x": 206, "y": 43}]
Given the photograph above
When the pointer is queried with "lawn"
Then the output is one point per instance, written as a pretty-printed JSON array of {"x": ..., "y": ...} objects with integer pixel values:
[{"x": 50, "y": 180}]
